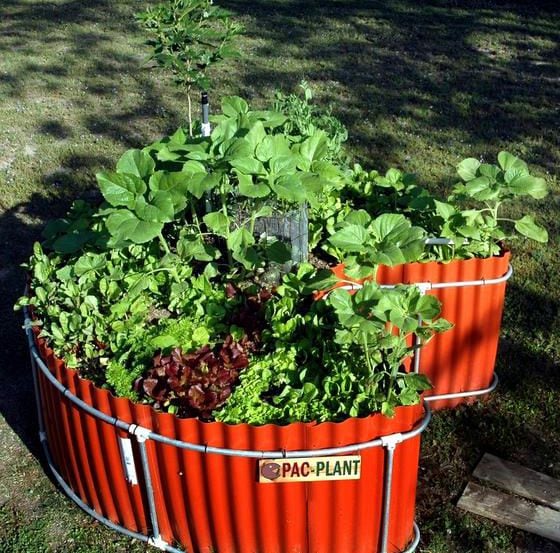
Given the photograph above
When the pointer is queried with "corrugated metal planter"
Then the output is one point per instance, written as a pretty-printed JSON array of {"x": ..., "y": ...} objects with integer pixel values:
[
  {"x": 460, "y": 361},
  {"x": 162, "y": 479}
]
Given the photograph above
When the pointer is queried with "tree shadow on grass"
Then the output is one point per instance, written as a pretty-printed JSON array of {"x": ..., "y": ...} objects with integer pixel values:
[{"x": 480, "y": 77}]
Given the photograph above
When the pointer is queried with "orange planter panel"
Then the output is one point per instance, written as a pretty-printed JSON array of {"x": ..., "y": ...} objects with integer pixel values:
[
  {"x": 207, "y": 502},
  {"x": 463, "y": 358}
]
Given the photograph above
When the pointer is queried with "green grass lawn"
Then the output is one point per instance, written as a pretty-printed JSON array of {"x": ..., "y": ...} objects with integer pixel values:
[{"x": 419, "y": 85}]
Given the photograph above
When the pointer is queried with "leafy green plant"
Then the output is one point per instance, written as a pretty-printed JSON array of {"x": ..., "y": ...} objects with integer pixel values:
[
  {"x": 363, "y": 243},
  {"x": 304, "y": 117},
  {"x": 336, "y": 357},
  {"x": 188, "y": 37},
  {"x": 471, "y": 218}
]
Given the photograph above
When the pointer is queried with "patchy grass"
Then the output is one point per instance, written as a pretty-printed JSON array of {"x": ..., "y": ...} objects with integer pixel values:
[{"x": 419, "y": 85}]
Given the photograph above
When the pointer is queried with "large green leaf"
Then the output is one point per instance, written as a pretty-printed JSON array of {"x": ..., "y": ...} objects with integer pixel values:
[
  {"x": 160, "y": 208},
  {"x": 527, "y": 227},
  {"x": 249, "y": 189},
  {"x": 533, "y": 186},
  {"x": 477, "y": 185},
  {"x": 283, "y": 165},
  {"x": 255, "y": 135},
  {"x": 266, "y": 149},
  {"x": 390, "y": 225},
  {"x": 124, "y": 226},
  {"x": 217, "y": 222},
  {"x": 289, "y": 188},
  {"x": 232, "y": 106},
  {"x": 248, "y": 165},
  {"x": 315, "y": 147},
  {"x": 121, "y": 189},
  {"x": 200, "y": 183},
  {"x": 350, "y": 238},
  {"x": 508, "y": 161},
  {"x": 175, "y": 184},
  {"x": 468, "y": 168},
  {"x": 136, "y": 162}
]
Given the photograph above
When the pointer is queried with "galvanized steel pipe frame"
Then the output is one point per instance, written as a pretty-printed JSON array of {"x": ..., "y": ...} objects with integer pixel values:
[{"x": 141, "y": 434}]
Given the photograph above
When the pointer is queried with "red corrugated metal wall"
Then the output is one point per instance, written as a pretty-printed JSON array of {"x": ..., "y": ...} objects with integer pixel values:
[
  {"x": 463, "y": 358},
  {"x": 206, "y": 502}
]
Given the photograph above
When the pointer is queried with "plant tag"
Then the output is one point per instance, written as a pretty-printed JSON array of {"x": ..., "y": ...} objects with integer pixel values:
[
  {"x": 310, "y": 469},
  {"x": 127, "y": 456}
]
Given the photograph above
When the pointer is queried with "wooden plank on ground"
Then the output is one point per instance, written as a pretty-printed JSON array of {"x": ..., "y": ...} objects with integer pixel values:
[
  {"x": 519, "y": 480},
  {"x": 511, "y": 510}
]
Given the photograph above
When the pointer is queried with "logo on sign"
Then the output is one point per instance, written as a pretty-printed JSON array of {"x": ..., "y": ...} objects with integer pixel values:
[{"x": 310, "y": 469}]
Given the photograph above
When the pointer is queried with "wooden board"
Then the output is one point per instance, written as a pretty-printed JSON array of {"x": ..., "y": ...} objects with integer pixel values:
[
  {"x": 519, "y": 480},
  {"x": 511, "y": 510}
]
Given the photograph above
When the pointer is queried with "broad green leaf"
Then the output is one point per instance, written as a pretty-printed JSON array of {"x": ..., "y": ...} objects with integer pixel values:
[
  {"x": 341, "y": 301},
  {"x": 468, "y": 168},
  {"x": 175, "y": 184},
  {"x": 278, "y": 252},
  {"x": 165, "y": 154},
  {"x": 270, "y": 119},
  {"x": 283, "y": 165},
  {"x": 89, "y": 262},
  {"x": 136, "y": 162},
  {"x": 255, "y": 135},
  {"x": 192, "y": 167},
  {"x": 289, "y": 188},
  {"x": 200, "y": 183},
  {"x": 489, "y": 171},
  {"x": 533, "y": 186},
  {"x": 417, "y": 381},
  {"x": 160, "y": 208},
  {"x": 240, "y": 239},
  {"x": 232, "y": 106},
  {"x": 121, "y": 189},
  {"x": 239, "y": 148},
  {"x": 351, "y": 238},
  {"x": 358, "y": 217},
  {"x": 428, "y": 307},
  {"x": 249, "y": 189},
  {"x": 217, "y": 222},
  {"x": 527, "y": 227},
  {"x": 163, "y": 342},
  {"x": 248, "y": 165},
  {"x": 179, "y": 137},
  {"x": 390, "y": 225},
  {"x": 445, "y": 210},
  {"x": 193, "y": 247},
  {"x": 508, "y": 161},
  {"x": 125, "y": 226},
  {"x": 315, "y": 147},
  {"x": 73, "y": 242},
  {"x": 477, "y": 185},
  {"x": 265, "y": 150}
]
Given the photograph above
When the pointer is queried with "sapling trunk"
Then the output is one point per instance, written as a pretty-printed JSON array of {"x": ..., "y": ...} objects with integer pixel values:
[{"x": 189, "y": 100}]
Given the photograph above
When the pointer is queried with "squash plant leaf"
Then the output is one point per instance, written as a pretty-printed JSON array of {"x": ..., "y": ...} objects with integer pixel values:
[
  {"x": 120, "y": 189},
  {"x": 124, "y": 226},
  {"x": 350, "y": 238},
  {"x": 468, "y": 168},
  {"x": 532, "y": 186},
  {"x": 136, "y": 162},
  {"x": 527, "y": 227}
]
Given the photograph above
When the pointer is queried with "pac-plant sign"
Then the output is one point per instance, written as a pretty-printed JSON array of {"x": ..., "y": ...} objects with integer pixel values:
[{"x": 309, "y": 469}]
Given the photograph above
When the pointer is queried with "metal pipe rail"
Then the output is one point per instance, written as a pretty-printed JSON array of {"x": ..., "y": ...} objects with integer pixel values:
[{"x": 141, "y": 434}]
